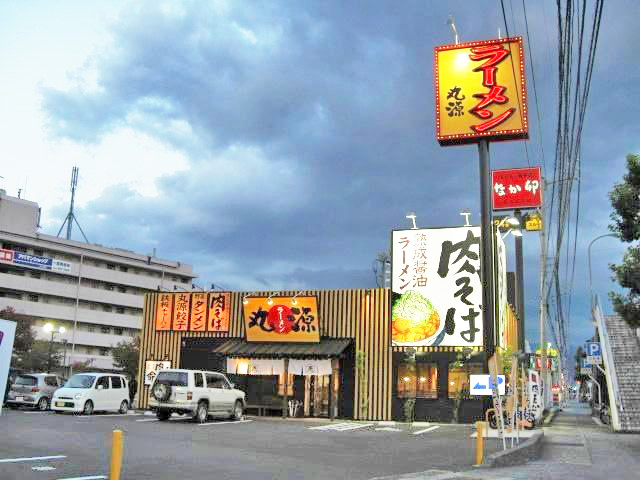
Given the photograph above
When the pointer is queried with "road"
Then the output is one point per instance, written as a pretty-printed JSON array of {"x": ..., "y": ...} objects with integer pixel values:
[
  {"x": 255, "y": 449},
  {"x": 575, "y": 447}
]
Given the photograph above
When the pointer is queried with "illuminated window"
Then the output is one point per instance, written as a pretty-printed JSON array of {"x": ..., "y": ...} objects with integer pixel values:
[
  {"x": 420, "y": 381},
  {"x": 459, "y": 377},
  {"x": 281, "y": 385},
  {"x": 427, "y": 380}
]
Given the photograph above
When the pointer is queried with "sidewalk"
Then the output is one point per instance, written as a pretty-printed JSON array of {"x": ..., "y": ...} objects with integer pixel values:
[{"x": 574, "y": 447}]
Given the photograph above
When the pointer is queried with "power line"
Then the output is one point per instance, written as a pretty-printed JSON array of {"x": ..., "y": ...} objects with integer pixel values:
[{"x": 513, "y": 71}]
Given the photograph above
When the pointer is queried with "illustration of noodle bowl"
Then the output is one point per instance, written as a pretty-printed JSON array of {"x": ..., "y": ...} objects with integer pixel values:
[{"x": 414, "y": 319}]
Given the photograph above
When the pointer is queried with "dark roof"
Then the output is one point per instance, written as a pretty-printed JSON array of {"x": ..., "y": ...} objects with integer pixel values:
[{"x": 328, "y": 347}]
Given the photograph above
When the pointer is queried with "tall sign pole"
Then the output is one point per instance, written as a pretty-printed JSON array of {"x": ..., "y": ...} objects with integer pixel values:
[
  {"x": 481, "y": 97},
  {"x": 486, "y": 252}
]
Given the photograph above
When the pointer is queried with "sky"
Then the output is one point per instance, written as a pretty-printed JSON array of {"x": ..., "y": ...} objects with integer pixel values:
[{"x": 275, "y": 145}]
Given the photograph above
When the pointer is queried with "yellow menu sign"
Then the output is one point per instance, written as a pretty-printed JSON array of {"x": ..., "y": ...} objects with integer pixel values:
[{"x": 480, "y": 91}]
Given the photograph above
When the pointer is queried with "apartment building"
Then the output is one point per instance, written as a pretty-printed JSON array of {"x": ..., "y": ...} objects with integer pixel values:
[{"x": 95, "y": 292}]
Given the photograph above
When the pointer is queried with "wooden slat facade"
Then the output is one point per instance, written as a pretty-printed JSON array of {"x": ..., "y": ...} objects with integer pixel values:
[{"x": 362, "y": 315}]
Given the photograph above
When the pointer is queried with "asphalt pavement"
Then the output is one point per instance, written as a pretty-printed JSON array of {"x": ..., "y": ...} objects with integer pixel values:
[
  {"x": 46, "y": 446},
  {"x": 575, "y": 446}
]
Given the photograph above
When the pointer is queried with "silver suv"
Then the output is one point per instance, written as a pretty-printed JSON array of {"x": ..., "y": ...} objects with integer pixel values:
[
  {"x": 33, "y": 390},
  {"x": 196, "y": 393}
]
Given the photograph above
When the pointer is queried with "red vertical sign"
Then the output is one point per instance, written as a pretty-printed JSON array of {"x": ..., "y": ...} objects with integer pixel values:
[{"x": 519, "y": 188}]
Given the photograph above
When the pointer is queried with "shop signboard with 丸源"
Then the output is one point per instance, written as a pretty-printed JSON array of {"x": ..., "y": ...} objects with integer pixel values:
[
  {"x": 480, "y": 91},
  {"x": 436, "y": 293},
  {"x": 181, "y": 304},
  {"x": 281, "y": 319},
  {"x": 195, "y": 312}
]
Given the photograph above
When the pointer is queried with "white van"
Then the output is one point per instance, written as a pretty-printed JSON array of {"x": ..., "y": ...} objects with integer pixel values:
[{"x": 90, "y": 392}]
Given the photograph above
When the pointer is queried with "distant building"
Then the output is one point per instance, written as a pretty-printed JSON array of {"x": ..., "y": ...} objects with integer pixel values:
[{"x": 98, "y": 290}]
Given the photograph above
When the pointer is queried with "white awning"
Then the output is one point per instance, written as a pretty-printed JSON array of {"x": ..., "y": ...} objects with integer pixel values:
[
  {"x": 254, "y": 366},
  {"x": 310, "y": 367}
]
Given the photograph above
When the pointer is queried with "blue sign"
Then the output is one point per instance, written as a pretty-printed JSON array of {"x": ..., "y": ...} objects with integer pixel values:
[
  {"x": 593, "y": 349},
  {"x": 32, "y": 260},
  {"x": 594, "y": 353},
  {"x": 483, "y": 384}
]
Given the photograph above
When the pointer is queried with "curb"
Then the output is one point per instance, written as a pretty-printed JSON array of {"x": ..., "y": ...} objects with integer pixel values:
[{"x": 529, "y": 450}]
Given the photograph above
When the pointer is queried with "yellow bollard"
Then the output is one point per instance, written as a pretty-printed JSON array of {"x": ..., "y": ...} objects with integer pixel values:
[
  {"x": 116, "y": 455},
  {"x": 480, "y": 443}
]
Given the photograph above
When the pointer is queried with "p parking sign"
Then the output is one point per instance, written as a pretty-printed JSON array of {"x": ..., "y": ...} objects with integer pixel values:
[{"x": 594, "y": 353}]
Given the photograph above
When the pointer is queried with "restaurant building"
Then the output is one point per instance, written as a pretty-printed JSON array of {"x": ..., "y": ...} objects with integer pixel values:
[{"x": 322, "y": 353}]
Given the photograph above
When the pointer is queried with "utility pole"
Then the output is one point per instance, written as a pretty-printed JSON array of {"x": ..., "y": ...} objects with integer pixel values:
[
  {"x": 520, "y": 284},
  {"x": 543, "y": 311}
]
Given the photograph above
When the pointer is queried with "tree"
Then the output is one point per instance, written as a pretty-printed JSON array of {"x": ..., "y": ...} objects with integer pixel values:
[
  {"x": 625, "y": 200},
  {"x": 580, "y": 354},
  {"x": 125, "y": 356},
  {"x": 24, "y": 338}
]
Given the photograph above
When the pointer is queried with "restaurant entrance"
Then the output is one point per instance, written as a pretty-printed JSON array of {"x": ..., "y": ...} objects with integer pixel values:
[{"x": 258, "y": 370}]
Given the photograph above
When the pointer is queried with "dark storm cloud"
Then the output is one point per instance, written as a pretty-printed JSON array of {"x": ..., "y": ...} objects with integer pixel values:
[{"x": 309, "y": 131}]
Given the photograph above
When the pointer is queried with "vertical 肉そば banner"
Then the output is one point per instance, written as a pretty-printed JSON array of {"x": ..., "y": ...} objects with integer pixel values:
[
  {"x": 219, "y": 306},
  {"x": 480, "y": 91},
  {"x": 436, "y": 290},
  {"x": 502, "y": 303}
]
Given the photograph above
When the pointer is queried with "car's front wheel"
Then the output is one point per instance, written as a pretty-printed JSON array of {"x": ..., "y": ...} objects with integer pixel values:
[
  {"x": 124, "y": 407},
  {"x": 238, "y": 410},
  {"x": 201, "y": 412},
  {"x": 163, "y": 415},
  {"x": 88, "y": 408},
  {"x": 43, "y": 404}
]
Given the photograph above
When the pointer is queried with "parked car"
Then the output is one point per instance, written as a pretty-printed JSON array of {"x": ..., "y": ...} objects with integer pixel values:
[
  {"x": 92, "y": 392},
  {"x": 33, "y": 390},
  {"x": 196, "y": 393}
]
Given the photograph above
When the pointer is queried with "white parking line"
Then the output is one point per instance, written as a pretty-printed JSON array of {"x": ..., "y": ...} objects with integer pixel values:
[
  {"x": 387, "y": 429},
  {"x": 426, "y": 430},
  {"x": 31, "y": 459},
  {"x": 148, "y": 420},
  {"x": 111, "y": 415},
  {"x": 93, "y": 477},
  {"x": 342, "y": 427},
  {"x": 220, "y": 423}
]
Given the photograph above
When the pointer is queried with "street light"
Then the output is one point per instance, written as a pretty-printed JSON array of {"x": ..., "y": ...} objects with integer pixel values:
[
  {"x": 48, "y": 327},
  {"x": 516, "y": 232},
  {"x": 512, "y": 221},
  {"x": 589, "y": 250}
]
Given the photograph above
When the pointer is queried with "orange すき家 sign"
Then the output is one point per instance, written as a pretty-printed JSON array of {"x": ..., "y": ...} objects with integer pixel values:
[
  {"x": 164, "y": 311},
  {"x": 480, "y": 91},
  {"x": 285, "y": 319}
]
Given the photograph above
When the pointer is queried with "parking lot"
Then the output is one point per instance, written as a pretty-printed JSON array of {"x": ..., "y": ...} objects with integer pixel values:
[{"x": 46, "y": 446}]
